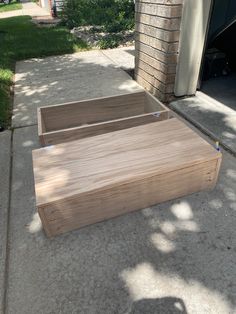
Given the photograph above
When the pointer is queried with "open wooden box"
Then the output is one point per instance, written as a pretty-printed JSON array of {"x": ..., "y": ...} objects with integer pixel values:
[
  {"x": 76, "y": 120},
  {"x": 97, "y": 178}
]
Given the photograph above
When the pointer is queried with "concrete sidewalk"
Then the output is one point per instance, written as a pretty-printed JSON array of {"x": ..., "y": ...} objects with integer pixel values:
[
  {"x": 122, "y": 57},
  {"x": 211, "y": 116},
  {"x": 177, "y": 257},
  {"x": 78, "y": 76},
  {"x": 5, "y": 160},
  {"x": 177, "y": 254},
  {"x": 28, "y": 8}
]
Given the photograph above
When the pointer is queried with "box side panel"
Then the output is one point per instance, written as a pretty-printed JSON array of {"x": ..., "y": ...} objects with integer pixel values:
[
  {"x": 93, "y": 111},
  {"x": 41, "y": 126},
  {"x": 89, "y": 208},
  {"x": 72, "y": 134},
  {"x": 152, "y": 103},
  {"x": 46, "y": 224},
  {"x": 218, "y": 165}
]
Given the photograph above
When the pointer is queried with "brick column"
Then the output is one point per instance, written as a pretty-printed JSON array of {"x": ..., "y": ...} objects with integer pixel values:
[{"x": 157, "y": 45}]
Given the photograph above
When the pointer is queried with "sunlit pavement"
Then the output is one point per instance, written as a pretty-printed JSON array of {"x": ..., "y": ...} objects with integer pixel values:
[
  {"x": 213, "y": 110},
  {"x": 176, "y": 257},
  {"x": 72, "y": 77},
  {"x": 28, "y": 8}
]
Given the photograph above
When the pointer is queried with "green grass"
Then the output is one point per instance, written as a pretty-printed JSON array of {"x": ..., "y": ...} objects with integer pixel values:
[
  {"x": 14, "y": 5},
  {"x": 21, "y": 39}
]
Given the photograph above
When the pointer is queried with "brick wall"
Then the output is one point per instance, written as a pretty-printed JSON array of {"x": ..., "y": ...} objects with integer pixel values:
[{"x": 157, "y": 45}]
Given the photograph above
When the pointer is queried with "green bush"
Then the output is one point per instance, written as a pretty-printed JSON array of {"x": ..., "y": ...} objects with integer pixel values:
[
  {"x": 110, "y": 41},
  {"x": 113, "y": 15}
]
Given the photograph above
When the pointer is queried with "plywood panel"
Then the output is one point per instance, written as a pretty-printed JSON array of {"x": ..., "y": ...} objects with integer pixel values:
[
  {"x": 96, "y": 178},
  {"x": 67, "y": 135},
  {"x": 92, "y": 111},
  {"x": 96, "y": 207},
  {"x": 62, "y": 123}
]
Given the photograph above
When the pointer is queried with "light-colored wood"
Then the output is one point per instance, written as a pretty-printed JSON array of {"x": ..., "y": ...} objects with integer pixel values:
[
  {"x": 67, "y": 135},
  {"x": 71, "y": 121},
  {"x": 86, "y": 181},
  {"x": 93, "y": 207},
  {"x": 41, "y": 127}
]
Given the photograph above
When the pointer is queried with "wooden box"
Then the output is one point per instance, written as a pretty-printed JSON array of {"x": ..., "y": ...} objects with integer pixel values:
[
  {"x": 72, "y": 121},
  {"x": 96, "y": 178}
]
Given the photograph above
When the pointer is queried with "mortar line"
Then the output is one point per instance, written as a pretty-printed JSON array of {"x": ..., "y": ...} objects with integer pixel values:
[{"x": 7, "y": 248}]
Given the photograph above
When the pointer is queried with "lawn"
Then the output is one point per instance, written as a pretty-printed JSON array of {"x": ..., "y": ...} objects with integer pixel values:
[
  {"x": 21, "y": 39},
  {"x": 14, "y": 5}
]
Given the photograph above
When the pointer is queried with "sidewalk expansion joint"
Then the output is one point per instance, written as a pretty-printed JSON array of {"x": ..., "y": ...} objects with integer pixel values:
[{"x": 7, "y": 248}]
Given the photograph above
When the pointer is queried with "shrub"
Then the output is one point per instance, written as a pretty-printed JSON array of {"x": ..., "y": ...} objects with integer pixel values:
[
  {"x": 114, "y": 15},
  {"x": 110, "y": 41}
]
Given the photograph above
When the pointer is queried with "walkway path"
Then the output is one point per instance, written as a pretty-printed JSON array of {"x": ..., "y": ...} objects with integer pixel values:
[
  {"x": 54, "y": 80},
  {"x": 171, "y": 257},
  {"x": 28, "y": 8}
]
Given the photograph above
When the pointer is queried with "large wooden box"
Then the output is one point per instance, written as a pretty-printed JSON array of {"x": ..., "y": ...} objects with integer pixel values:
[
  {"x": 72, "y": 121},
  {"x": 93, "y": 179}
]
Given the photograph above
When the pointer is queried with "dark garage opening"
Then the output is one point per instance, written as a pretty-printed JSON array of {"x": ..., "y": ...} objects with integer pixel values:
[{"x": 218, "y": 74}]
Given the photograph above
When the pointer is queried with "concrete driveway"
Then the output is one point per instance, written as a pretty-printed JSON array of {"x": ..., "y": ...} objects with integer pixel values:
[{"x": 177, "y": 257}]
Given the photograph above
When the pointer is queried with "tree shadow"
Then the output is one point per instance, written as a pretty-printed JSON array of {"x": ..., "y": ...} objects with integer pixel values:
[
  {"x": 182, "y": 248},
  {"x": 56, "y": 80},
  {"x": 213, "y": 116},
  {"x": 168, "y": 305}
]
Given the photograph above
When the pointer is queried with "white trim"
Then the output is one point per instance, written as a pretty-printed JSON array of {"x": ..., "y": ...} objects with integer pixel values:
[{"x": 193, "y": 32}]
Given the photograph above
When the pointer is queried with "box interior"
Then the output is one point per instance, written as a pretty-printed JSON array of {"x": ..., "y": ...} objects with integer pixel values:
[{"x": 77, "y": 114}]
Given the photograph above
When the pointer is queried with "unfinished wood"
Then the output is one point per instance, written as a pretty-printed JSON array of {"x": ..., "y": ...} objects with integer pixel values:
[
  {"x": 62, "y": 123},
  {"x": 143, "y": 193},
  {"x": 96, "y": 178},
  {"x": 72, "y": 134},
  {"x": 92, "y": 111}
]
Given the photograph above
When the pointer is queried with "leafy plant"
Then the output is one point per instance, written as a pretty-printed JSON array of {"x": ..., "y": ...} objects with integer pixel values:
[
  {"x": 110, "y": 41},
  {"x": 114, "y": 15}
]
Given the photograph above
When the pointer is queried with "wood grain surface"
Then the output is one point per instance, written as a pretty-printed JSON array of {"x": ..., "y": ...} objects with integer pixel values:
[
  {"x": 69, "y": 214},
  {"x": 96, "y": 178},
  {"x": 72, "y": 121}
]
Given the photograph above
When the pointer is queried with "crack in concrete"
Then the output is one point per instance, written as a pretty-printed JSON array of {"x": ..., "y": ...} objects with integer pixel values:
[{"x": 7, "y": 248}]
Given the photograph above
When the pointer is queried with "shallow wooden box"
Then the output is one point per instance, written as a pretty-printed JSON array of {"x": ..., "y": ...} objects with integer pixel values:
[
  {"x": 76, "y": 120},
  {"x": 96, "y": 178}
]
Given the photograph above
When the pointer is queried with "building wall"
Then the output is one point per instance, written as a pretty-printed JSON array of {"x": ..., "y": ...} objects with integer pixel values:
[
  {"x": 157, "y": 45},
  {"x": 46, "y": 4}
]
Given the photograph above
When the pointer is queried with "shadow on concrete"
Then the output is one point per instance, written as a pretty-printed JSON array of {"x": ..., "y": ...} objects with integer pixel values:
[
  {"x": 183, "y": 248},
  {"x": 211, "y": 115},
  {"x": 178, "y": 256},
  {"x": 130, "y": 51},
  {"x": 66, "y": 78},
  {"x": 166, "y": 305}
]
